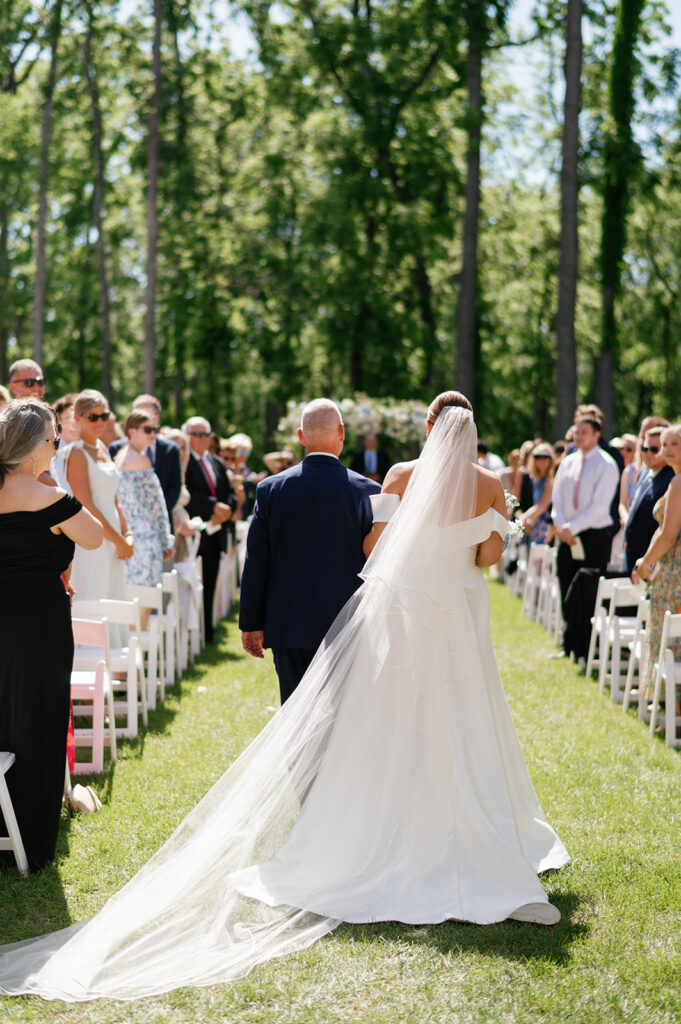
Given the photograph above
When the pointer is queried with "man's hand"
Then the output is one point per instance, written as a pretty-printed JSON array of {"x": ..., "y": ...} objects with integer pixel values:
[
  {"x": 221, "y": 512},
  {"x": 252, "y": 642},
  {"x": 567, "y": 536}
]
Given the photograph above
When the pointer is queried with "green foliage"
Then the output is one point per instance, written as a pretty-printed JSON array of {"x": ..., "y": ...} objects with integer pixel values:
[{"x": 311, "y": 208}]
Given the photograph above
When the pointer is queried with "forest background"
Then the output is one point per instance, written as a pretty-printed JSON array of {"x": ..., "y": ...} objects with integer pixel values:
[{"x": 382, "y": 196}]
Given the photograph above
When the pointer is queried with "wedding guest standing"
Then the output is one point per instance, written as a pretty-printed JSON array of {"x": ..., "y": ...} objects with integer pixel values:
[
  {"x": 655, "y": 478},
  {"x": 38, "y": 528},
  {"x": 162, "y": 452},
  {"x": 211, "y": 497},
  {"x": 143, "y": 502},
  {"x": 664, "y": 552},
  {"x": 93, "y": 480},
  {"x": 586, "y": 483},
  {"x": 370, "y": 461},
  {"x": 26, "y": 379},
  {"x": 537, "y": 520}
]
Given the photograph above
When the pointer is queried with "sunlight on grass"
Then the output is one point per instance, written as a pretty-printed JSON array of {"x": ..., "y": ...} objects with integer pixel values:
[{"x": 611, "y": 793}]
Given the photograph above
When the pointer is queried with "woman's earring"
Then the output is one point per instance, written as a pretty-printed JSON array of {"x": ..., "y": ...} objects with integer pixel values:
[{"x": 35, "y": 465}]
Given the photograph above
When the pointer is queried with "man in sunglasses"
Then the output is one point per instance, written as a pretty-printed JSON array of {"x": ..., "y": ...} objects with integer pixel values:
[
  {"x": 163, "y": 454},
  {"x": 641, "y": 525},
  {"x": 26, "y": 379},
  {"x": 212, "y": 498}
]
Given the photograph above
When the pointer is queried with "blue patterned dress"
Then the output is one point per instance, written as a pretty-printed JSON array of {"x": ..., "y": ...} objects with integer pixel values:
[{"x": 142, "y": 499}]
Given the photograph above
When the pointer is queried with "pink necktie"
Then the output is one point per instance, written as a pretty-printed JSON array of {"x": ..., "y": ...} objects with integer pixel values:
[{"x": 578, "y": 478}]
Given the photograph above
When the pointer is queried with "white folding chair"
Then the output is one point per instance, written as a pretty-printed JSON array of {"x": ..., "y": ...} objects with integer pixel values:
[
  {"x": 92, "y": 694},
  {"x": 667, "y": 674},
  {"x": 544, "y": 596},
  {"x": 171, "y": 626},
  {"x": 13, "y": 840},
  {"x": 619, "y": 632},
  {"x": 535, "y": 563},
  {"x": 152, "y": 639},
  {"x": 638, "y": 659},
  {"x": 125, "y": 660},
  {"x": 599, "y": 622}
]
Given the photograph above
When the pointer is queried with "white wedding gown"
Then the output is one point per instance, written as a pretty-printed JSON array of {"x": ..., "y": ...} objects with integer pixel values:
[{"x": 391, "y": 786}]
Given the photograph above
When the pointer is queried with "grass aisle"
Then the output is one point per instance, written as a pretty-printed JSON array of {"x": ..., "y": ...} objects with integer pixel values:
[{"x": 611, "y": 794}]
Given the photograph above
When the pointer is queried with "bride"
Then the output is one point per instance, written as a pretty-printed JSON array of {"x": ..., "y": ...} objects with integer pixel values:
[{"x": 390, "y": 786}]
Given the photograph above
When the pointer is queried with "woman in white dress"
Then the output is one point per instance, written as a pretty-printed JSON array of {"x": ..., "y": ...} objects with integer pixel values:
[
  {"x": 391, "y": 786},
  {"x": 93, "y": 480}
]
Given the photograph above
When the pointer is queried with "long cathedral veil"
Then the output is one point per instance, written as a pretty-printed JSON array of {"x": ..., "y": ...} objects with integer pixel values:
[{"x": 183, "y": 920}]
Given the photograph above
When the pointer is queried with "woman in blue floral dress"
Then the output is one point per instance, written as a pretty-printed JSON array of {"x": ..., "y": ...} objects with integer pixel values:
[{"x": 142, "y": 499}]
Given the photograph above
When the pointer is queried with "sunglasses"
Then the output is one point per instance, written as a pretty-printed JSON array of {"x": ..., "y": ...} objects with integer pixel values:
[
  {"x": 627, "y": 448},
  {"x": 199, "y": 433},
  {"x": 94, "y": 416},
  {"x": 148, "y": 429},
  {"x": 652, "y": 449},
  {"x": 542, "y": 456},
  {"x": 30, "y": 382},
  {"x": 54, "y": 441}
]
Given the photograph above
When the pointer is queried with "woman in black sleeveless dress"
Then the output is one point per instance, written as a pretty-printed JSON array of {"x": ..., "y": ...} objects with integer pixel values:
[{"x": 36, "y": 641}]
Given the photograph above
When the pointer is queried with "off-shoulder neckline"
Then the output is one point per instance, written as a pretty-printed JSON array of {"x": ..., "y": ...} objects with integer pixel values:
[{"x": 36, "y": 511}]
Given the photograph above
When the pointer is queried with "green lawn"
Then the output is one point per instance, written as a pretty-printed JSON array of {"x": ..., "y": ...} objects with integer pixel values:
[{"x": 611, "y": 793}]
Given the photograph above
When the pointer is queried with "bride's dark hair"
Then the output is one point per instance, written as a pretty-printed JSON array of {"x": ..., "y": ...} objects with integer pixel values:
[{"x": 444, "y": 399}]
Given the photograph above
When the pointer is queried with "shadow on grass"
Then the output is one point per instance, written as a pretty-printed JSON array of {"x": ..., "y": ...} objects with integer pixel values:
[
  {"x": 37, "y": 904},
  {"x": 508, "y": 940}
]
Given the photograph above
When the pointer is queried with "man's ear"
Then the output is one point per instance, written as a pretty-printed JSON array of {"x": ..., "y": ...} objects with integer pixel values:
[{"x": 301, "y": 438}]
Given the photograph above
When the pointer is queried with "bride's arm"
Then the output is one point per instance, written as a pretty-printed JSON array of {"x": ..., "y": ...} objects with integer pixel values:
[
  {"x": 492, "y": 493},
  {"x": 396, "y": 480}
]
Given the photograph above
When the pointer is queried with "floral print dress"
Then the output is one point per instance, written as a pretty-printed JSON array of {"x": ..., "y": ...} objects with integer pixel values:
[
  {"x": 142, "y": 499},
  {"x": 665, "y": 595}
]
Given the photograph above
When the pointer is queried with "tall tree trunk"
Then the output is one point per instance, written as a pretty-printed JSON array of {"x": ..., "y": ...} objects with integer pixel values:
[
  {"x": 98, "y": 204},
  {"x": 621, "y": 156},
  {"x": 467, "y": 310},
  {"x": 566, "y": 349},
  {"x": 4, "y": 288},
  {"x": 152, "y": 208},
  {"x": 45, "y": 139}
]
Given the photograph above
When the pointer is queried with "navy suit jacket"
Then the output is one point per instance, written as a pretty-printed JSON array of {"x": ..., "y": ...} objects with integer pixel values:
[
  {"x": 640, "y": 523},
  {"x": 202, "y": 500},
  {"x": 304, "y": 551},
  {"x": 168, "y": 469}
]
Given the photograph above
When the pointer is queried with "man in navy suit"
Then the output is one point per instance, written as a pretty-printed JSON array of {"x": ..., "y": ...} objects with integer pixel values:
[
  {"x": 304, "y": 548},
  {"x": 212, "y": 497},
  {"x": 164, "y": 454},
  {"x": 641, "y": 525}
]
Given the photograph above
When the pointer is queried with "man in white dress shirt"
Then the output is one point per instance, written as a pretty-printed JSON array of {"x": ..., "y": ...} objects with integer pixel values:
[{"x": 582, "y": 495}]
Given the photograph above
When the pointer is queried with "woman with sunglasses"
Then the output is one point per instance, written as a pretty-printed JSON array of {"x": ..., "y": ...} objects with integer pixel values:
[
  {"x": 142, "y": 499},
  {"x": 660, "y": 566},
  {"x": 94, "y": 480},
  {"x": 39, "y": 526}
]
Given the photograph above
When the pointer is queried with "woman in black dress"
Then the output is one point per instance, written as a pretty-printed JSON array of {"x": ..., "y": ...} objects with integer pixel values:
[{"x": 38, "y": 528}]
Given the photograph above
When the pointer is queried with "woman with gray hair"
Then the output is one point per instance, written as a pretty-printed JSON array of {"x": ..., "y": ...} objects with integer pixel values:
[
  {"x": 39, "y": 526},
  {"x": 94, "y": 480}
]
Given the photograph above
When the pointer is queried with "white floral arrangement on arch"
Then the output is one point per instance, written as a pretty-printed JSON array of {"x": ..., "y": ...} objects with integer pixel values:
[{"x": 402, "y": 420}]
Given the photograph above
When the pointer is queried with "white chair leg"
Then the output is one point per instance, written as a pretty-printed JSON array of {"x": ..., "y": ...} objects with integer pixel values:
[{"x": 13, "y": 841}]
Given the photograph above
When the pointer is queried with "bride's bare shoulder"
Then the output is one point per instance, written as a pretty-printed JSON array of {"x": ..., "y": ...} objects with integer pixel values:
[
  {"x": 490, "y": 492},
  {"x": 397, "y": 478}
]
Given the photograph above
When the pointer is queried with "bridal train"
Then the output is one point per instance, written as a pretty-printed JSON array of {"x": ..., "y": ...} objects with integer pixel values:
[{"x": 391, "y": 786}]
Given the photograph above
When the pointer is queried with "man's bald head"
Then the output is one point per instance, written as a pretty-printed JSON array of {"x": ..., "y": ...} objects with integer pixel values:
[{"x": 321, "y": 427}]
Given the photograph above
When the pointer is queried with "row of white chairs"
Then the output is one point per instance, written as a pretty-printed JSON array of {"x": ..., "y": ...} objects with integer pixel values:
[
  {"x": 123, "y": 682},
  {"x": 114, "y": 684},
  {"x": 540, "y": 587},
  {"x": 618, "y": 646}
]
